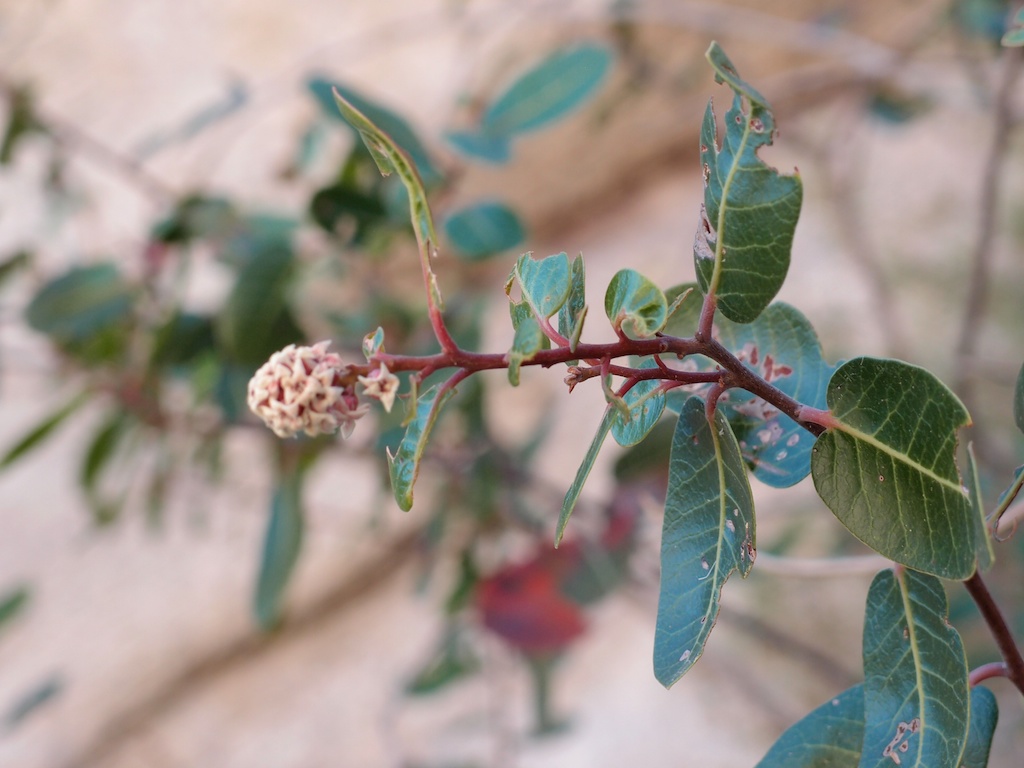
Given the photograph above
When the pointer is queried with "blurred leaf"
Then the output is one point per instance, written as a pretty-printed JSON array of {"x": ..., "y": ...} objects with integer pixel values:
[
  {"x": 828, "y": 737},
  {"x": 12, "y": 603},
  {"x": 483, "y": 230},
  {"x": 896, "y": 107},
  {"x": 182, "y": 339},
  {"x": 574, "y": 311},
  {"x": 745, "y": 232},
  {"x": 986, "y": 553},
  {"x": 21, "y": 121},
  {"x": 984, "y": 716},
  {"x": 256, "y": 235},
  {"x": 708, "y": 533},
  {"x": 490, "y": 149},
  {"x": 544, "y": 282},
  {"x": 559, "y": 84},
  {"x": 256, "y": 320},
  {"x": 888, "y": 469},
  {"x": 404, "y": 464},
  {"x": 573, "y": 494},
  {"x": 230, "y": 390},
  {"x": 1018, "y": 401},
  {"x": 916, "y": 698},
  {"x": 81, "y": 303},
  {"x": 101, "y": 449},
  {"x": 981, "y": 18},
  {"x": 281, "y": 547},
  {"x": 338, "y": 205},
  {"x": 1014, "y": 36},
  {"x": 31, "y": 701},
  {"x": 35, "y": 436},
  {"x": 14, "y": 262},
  {"x": 383, "y": 118},
  {"x": 197, "y": 217},
  {"x": 635, "y": 305},
  {"x": 453, "y": 660},
  {"x": 645, "y": 404}
]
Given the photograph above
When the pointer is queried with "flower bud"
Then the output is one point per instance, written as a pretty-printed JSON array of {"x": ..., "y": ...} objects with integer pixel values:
[
  {"x": 382, "y": 385},
  {"x": 306, "y": 389}
]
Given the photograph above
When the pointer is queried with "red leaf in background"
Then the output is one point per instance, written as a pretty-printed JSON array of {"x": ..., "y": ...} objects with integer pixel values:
[{"x": 523, "y": 604}]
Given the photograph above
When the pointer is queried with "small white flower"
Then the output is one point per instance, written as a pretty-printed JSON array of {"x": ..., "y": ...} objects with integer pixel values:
[
  {"x": 306, "y": 389},
  {"x": 382, "y": 385}
]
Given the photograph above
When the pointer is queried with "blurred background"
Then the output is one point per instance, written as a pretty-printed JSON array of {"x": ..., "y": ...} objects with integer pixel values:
[{"x": 179, "y": 198}]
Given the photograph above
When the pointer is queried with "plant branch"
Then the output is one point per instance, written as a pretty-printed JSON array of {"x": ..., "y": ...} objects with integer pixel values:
[
  {"x": 993, "y": 616},
  {"x": 987, "y": 672}
]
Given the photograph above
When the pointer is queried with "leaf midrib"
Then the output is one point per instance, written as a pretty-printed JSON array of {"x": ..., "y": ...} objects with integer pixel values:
[{"x": 716, "y": 274}]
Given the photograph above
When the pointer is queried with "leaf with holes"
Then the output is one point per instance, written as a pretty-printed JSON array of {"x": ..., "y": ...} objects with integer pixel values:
[
  {"x": 544, "y": 282},
  {"x": 392, "y": 158},
  {"x": 483, "y": 230},
  {"x": 828, "y": 737},
  {"x": 281, "y": 546},
  {"x": 886, "y": 466},
  {"x": 404, "y": 465},
  {"x": 708, "y": 533},
  {"x": 635, "y": 305},
  {"x": 745, "y": 232},
  {"x": 916, "y": 696}
]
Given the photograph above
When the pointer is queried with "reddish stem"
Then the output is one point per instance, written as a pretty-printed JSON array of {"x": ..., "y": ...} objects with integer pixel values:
[
  {"x": 987, "y": 672},
  {"x": 997, "y": 626}
]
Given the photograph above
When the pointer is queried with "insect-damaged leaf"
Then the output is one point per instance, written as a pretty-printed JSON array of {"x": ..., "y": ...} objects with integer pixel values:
[
  {"x": 404, "y": 465},
  {"x": 390, "y": 157},
  {"x": 828, "y": 737},
  {"x": 916, "y": 700},
  {"x": 745, "y": 232},
  {"x": 708, "y": 533},
  {"x": 887, "y": 469}
]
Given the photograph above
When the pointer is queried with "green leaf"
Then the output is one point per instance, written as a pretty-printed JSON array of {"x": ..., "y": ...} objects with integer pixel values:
[
  {"x": 12, "y": 604},
  {"x": 544, "y": 282},
  {"x": 781, "y": 347},
  {"x": 483, "y": 230},
  {"x": 984, "y": 716},
  {"x": 573, "y": 494},
  {"x": 454, "y": 660},
  {"x": 13, "y": 263},
  {"x": 281, "y": 547},
  {"x": 645, "y": 405},
  {"x": 915, "y": 670},
  {"x": 404, "y": 465},
  {"x": 1018, "y": 401},
  {"x": 101, "y": 449},
  {"x": 828, "y": 737},
  {"x": 986, "y": 553},
  {"x": 373, "y": 343},
  {"x": 559, "y": 84},
  {"x": 708, "y": 533},
  {"x": 479, "y": 146},
  {"x": 339, "y": 206},
  {"x": 256, "y": 320},
  {"x": 887, "y": 468},
  {"x": 745, "y": 232},
  {"x": 380, "y": 116},
  {"x": 574, "y": 311},
  {"x": 35, "y": 436},
  {"x": 81, "y": 303},
  {"x": 527, "y": 342},
  {"x": 635, "y": 305},
  {"x": 391, "y": 157},
  {"x": 182, "y": 340}
]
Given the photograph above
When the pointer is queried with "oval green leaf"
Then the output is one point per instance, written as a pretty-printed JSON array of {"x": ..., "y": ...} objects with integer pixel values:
[
  {"x": 984, "y": 716},
  {"x": 745, "y": 231},
  {"x": 828, "y": 737},
  {"x": 480, "y": 146},
  {"x": 887, "y": 469},
  {"x": 81, "y": 303},
  {"x": 559, "y": 84},
  {"x": 281, "y": 546},
  {"x": 635, "y": 305},
  {"x": 916, "y": 697},
  {"x": 708, "y": 533},
  {"x": 645, "y": 405},
  {"x": 483, "y": 230},
  {"x": 544, "y": 282}
]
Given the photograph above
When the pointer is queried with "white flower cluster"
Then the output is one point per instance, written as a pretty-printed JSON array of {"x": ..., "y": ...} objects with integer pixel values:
[{"x": 306, "y": 389}]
